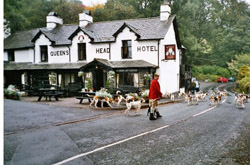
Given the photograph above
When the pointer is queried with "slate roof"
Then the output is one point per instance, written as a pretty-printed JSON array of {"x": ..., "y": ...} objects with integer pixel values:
[
  {"x": 78, "y": 65},
  {"x": 146, "y": 29},
  {"x": 120, "y": 64},
  {"x": 20, "y": 40},
  {"x": 132, "y": 64},
  {"x": 30, "y": 66}
]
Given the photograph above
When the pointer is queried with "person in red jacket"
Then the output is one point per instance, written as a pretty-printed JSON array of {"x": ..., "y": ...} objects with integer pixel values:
[{"x": 154, "y": 95}]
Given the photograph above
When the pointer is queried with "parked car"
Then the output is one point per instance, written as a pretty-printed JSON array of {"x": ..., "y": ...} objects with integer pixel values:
[
  {"x": 222, "y": 79},
  {"x": 231, "y": 79}
]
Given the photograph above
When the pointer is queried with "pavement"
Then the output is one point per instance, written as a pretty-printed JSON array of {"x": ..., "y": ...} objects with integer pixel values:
[{"x": 72, "y": 102}]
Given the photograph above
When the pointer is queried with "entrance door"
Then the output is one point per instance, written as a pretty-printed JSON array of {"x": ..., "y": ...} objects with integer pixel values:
[{"x": 99, "y": 79}]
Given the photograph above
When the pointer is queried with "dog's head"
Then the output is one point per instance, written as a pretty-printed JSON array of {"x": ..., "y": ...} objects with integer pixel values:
[
  {"x": 212, "y": 98},
  {"x": 110, "y": 100},
  {"x": 142, "y": 100}
]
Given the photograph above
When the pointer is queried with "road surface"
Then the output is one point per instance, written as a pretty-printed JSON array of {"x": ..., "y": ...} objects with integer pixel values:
[{"x": 196, "y": 134}]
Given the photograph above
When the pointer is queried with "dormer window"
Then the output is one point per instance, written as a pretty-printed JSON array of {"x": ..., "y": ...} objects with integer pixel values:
[
  {"x": 126, "y": 49},
  {"x": 81, "y": 51},
  {"x": 44, "y": 53},
  {"x": 11, "y": 55}
]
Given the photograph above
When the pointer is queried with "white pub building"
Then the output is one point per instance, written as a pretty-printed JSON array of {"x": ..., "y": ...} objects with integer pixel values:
[{"x": 129, "y": 49}]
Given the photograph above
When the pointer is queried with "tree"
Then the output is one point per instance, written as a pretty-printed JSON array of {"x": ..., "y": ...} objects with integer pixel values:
[
  {"x": 235, "y": 64},
  {"x": 244, "y": 72},
  {"x": 69, "y": 12},
  {"x": 114, "y": 10}
]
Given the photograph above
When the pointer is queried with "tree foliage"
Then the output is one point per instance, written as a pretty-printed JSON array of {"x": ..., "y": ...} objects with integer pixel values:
[
  {"x": 244, "y": 79},
  {"x": 235, "y": 64},
  {"x": 209, "y": 72}
]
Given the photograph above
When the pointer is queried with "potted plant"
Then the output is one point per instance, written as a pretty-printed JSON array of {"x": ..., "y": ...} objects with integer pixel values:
[
  {"x": 145, "y": 95},
  {"x": 111, "y": 79},
  {"x": 81, "y": 74}
]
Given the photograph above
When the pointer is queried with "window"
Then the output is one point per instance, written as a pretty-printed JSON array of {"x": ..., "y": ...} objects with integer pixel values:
[
  {"x": 11, "y": 55},
  {"x": 126, "y": 79},
  {"x": 126, "y": 49},
  {"x": 44, "y": 53},
  {"x": 81, "y": 51}
]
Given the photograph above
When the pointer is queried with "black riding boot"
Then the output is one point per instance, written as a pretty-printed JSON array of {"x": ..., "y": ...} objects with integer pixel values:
[
  {"x": 149, "y": 109},
  {"x": 152, "y": 117},
  {"x": 158, "y": 114}
]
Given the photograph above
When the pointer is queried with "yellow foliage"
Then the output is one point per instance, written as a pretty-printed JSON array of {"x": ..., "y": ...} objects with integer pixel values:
[
  {"x": 94, "y": 7},
  {"x": 243, "y": 72}
]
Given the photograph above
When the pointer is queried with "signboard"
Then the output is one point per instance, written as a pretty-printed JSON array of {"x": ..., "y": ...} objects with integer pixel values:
[
  {"x": 146, "y": 48},
  {"x": 102, "y": 50},
  {"x": 170, "y": 53},
  {"x": 81, "y": 38},
  {"x": 59, "y": 53}
]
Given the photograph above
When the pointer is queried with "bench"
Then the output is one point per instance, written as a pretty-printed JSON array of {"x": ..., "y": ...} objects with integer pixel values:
[
  {"x": 48, "y": 94},
  {"x": 82, "y": 98},
  {"x": 55, "y": 95},
  {"x": 73, "y": 89}
]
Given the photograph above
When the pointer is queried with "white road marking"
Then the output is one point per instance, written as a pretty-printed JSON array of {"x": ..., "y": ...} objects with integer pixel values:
[
  {"x": 207, "y": 110},
  {"x": 110, "y": 145},
  {"x": 124, "y": 140},
  {"x": 204, "y": 111}
]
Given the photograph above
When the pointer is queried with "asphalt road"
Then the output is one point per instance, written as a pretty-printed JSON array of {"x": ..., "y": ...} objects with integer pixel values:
[{"x": 196, "y": 134}]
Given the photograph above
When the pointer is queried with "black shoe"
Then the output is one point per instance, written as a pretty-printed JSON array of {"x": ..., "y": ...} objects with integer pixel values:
[
  {"x": 158, "y": 114},
  {"x": 152, "y": 117}
]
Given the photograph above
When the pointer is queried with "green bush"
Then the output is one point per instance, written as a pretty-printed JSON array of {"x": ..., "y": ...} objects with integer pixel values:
[
  {"x": 210, "y": 78},
  {"x": 211, "y": 73},
  {"x": 244, "y": 84}
]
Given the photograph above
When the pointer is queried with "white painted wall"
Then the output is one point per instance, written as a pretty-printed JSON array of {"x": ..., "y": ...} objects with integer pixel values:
[
  {"x": 146, "y": 50},
  {"x": 42, "y": 40},
  {"x": 23, "y": 55},
  {"x": 169, "y": 70},
  {"x": 116, "y": 47},
  {"x": 99, "y": 51},
  {"x": 26, "y": 55},
  {"x": 5, "y": 56},
  {"x": 59, "y": 54},
  {"x": 74, "y": 47}
]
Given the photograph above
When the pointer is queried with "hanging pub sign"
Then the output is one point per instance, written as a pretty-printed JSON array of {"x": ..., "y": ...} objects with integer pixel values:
[{"x": 170, "y": 53}]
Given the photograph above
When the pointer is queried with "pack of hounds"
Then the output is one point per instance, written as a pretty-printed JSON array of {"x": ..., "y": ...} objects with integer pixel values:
[
  {"x": 215, "y": 98},
  {"x": 133, "y": 100}
]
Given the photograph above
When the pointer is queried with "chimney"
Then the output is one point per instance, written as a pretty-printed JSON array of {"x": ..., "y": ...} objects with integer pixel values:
[
  {"x": 52, "y": 20},
  {"x": 165, "y": 11},
  {"x": 85, "y": 18}
]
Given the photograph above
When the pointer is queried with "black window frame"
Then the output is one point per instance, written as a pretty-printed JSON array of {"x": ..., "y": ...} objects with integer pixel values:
[
  {"x": 11, "y": 55},
  {"x": 44, "y": 51},
  {"x": 82, "y": 53},
  {"x": 126, "y": 49}
]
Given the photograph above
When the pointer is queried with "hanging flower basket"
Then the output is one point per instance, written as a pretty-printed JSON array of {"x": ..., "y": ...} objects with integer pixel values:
[
  {"x": 80, "y": 73},
  {"x": 147, "y": 77}
]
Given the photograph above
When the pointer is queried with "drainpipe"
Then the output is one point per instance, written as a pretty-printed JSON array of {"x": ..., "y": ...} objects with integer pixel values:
[
  {"x": 109, "y": 51},
  {"x": 34, "y": 55},
  {"x": 69, "y": 54},
  {"x": 158, "y": 54}
]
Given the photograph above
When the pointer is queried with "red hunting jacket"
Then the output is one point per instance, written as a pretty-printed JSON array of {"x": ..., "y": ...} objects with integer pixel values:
[{"x": 155, "y": 91}]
